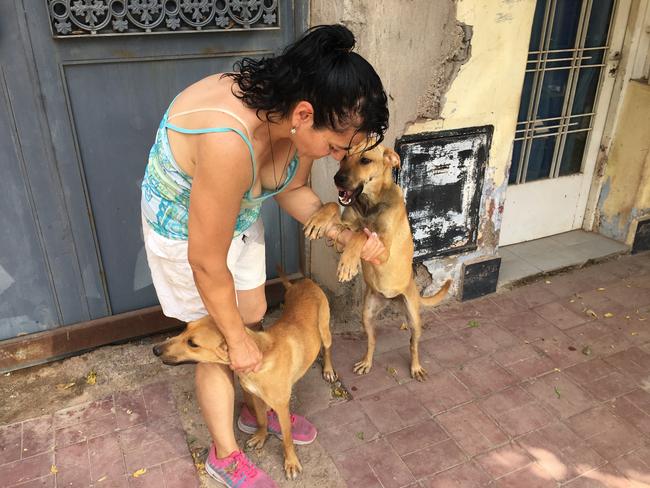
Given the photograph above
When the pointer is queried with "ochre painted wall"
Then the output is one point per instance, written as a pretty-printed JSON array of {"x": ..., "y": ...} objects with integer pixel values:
[{"x": 625, "y": 194}]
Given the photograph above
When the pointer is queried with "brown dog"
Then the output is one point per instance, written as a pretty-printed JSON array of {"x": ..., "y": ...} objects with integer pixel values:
[
  {"x": 373, "y": 200},
  {"x": 289, "y": 347}
]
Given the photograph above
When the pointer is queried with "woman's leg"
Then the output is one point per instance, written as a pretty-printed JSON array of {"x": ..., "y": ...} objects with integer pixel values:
[{"x": 214, "y": 382}]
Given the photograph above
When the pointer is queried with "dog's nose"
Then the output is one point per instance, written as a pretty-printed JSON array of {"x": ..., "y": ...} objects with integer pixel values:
[
  {"x": 339, "y": 179},
  {"x": 157, "y": 350}
]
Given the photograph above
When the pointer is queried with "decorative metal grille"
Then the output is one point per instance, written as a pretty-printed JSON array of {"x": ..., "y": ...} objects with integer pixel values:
[
  {"x": 568, "y": 51},
  {"x": 82, "y": 18}
]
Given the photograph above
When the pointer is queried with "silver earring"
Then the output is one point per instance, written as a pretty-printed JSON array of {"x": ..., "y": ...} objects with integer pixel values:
[{"x": 293, "y": 131}]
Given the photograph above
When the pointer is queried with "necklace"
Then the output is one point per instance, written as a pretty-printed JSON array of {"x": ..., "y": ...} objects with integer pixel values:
[{"x": 284, "y": 168}]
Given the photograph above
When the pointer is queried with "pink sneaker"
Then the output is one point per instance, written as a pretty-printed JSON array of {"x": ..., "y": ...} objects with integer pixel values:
[
  {"x": 236, "y": 471},
  {"x": 302, "y": 430}
]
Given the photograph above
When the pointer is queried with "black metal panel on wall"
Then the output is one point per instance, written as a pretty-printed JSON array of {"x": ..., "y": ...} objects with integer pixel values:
[
  {"x": 82, "y": 111},
  {"x": 441, "y": 175}
]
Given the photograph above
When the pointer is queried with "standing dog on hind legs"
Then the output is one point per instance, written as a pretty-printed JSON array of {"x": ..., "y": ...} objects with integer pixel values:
[
  {"x": 374, "y": 201},
  {"x": 289, "y": 347}
]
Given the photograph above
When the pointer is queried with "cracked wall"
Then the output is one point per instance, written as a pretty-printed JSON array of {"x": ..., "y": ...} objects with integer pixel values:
[{"x": 445, "y": 65}]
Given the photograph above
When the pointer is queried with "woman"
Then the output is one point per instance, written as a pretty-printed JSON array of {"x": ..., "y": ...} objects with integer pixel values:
[{"x": 225, "y": 144}]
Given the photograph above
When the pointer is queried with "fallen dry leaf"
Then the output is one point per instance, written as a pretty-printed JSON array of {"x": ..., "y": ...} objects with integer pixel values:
[
  {"x": 65, "y": 386},
  {"x": 557, "y": 391},
  {"x": 403, "y": 326},
  {"x": 102, "y": 479},
  {"x": 53, "y": 469},
  {"x": 634, "y": 333},
  {"x": 608, "y": 315},
  {"x": 591, "y": 313},
  {"x": 91, "y": 378},
  {"x": 600, "y": 289},
  {"x": 586, "y": 351},
  {"x": 139, "y": 472},
  {"x": 548, "y": 282}
]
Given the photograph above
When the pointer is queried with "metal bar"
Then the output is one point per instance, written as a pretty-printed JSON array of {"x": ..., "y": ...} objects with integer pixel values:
[
  {"x": 560, "y": 59},
  {"x": 549, "y": 127},
  {"x": 569, "y": 67},
  {"x": 557, "y": 118},
  {"x": 539, "y": 136},
  {"x": 572, "y": 83},
  {"x": 570, "y": 49},
  {"x": 538, "y": 81}
]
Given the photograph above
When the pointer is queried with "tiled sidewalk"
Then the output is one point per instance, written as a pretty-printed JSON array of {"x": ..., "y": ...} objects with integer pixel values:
[
  {"x": 536, "y": 387},
  {"x": 131, "y": 439},
  {"x": 545, "y": 385}
]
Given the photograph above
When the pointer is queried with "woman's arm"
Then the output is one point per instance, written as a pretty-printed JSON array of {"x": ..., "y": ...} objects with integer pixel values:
[
  {"x": 215, "y": 202},
  {"x": 300, "y": 201}
]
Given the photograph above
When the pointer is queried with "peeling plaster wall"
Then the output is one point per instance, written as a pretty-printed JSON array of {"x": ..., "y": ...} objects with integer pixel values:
[
  {"x": 625, "y": 194},
  {"x": 445, "y": 65}
]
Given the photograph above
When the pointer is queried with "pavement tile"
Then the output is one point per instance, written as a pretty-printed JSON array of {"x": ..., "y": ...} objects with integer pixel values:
[
  {"x": 606, "y": 476},
  {"x": 376, "y": 460},
  {"x": 106, "y": 459},
  {"x": 634, "y": 362},
  {"x": 434, "y": 459},
  {"x": 10, "y": 442},
  {"x": 38, "y": 435},
  {"x": 562, "y": 350},
  {"x": 466, "y": 475},
  {"x": 389, "y": 411},
  {"x": 152, "y": 478},
  {"x": 634, "y": 408},
  {"x": 629, "y": 296},
  {"x": 605, "y": 433},
  {"x": 484, "y": 376},
  {"x": 568, "y": 284},
  {"x": 523, "y": 361},
  {"x": 343, "y": 427},
  {"x": 391, "y": 337},
  {"x": 474, "y": 431},
  {"x": 486, "y": 337},
  {"x": 531, "y": 476},
  {"x": 600, "y": 379},
  {"x": 450, "y": 350},
  {"x": 635, "y": 465},
  {"x": 378, "y": 379},
  {"x": 83, "y": 431},
  {"x": 528, "y": 326},
  {"x": 417, "y": 437},
  {"x": 503, "y": 460},
  {"x": 559, "y": 315},
  {"x": 130, "y": 409},
  {"x": 180, "y": 473},
  {"x": 44, "y": 482},
  {"x": 82, "y": 413},
  {"x": 560, "y": 395},
  {"x": 440, "y": 392},
  {"x": 515, "y": 411},
  {"x": 27, "y": 469},
  {"x": 158, "y": 400},
  {"x": 152, "y": 432},
  {"x": 534, "y": 295},
  {"x": 507, "y": 304},
  {"x": 560, "y": 452},
  {"x": 73, "y": 466}
]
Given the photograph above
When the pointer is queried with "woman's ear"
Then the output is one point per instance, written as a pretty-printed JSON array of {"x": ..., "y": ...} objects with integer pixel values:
[
  {"x": 303, "y": 114},
  {"x": 391, "y": 158}
]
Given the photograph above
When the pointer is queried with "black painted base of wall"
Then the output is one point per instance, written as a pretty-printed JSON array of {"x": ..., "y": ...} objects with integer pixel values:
[
  {"x": 642, "y": 237},
  {"x": 480, "y": 278}
]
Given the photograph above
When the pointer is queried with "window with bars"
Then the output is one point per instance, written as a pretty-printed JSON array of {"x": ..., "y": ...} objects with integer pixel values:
[{"x": 567, "y": 53}]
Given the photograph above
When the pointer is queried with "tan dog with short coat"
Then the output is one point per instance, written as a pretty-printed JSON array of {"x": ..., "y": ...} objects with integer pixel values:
[
  {"x": 373, "y": 200},
  {"x": 289, "y": 347}
]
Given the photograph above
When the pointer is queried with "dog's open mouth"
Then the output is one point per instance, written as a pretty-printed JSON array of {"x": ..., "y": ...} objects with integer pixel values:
[{"x": 346, "y": 197}]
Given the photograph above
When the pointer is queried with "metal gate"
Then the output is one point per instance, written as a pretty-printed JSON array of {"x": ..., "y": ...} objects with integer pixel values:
[{"x": 83, "y": 84}]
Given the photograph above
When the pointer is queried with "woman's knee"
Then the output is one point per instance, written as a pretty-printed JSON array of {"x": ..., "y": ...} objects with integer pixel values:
[
  {"x": 213, "y": 374},
  {"x": 255, "y": 313}
]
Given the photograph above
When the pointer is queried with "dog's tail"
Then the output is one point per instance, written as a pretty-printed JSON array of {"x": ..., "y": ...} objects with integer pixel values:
[
  {"x": 438, "y": 297},
  {"x": 283, "y": 277}
]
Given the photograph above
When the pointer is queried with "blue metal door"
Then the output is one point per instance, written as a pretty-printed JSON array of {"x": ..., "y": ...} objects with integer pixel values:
[{"x": 76, "y": 128}]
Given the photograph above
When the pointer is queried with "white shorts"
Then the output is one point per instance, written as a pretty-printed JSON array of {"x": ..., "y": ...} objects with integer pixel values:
[{"x": 173, "y": 279}]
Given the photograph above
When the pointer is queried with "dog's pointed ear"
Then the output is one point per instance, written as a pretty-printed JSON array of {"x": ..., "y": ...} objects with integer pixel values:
[
  {"x": 221, "y": 351},
  {"x": 391, "y": 158}
]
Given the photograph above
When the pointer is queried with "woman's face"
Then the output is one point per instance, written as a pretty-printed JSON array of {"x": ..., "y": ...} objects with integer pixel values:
[{"x": 318, "y": 143}]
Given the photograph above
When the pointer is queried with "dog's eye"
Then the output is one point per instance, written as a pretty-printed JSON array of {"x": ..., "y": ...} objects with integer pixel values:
[
  {"x": 365, "y": 161},
  {"x": 191, "y": 343}
]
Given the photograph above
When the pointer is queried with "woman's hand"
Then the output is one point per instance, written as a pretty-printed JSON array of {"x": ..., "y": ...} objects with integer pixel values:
[
  {"x": 373, "y": 248},
  {"x": 245, "y": 356}
]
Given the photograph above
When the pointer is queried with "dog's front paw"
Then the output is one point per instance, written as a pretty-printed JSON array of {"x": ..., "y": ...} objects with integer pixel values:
[
  {"x": 292, "y": 468},
  {"x": 419, "y": 373},
  {"x": 363, "y": 366},
  {"x": 317, "y": 224},
  {"x": 329, "y": 375},
  {"x": 348, "y": 268},
  {"x": 258, "y": 439}
]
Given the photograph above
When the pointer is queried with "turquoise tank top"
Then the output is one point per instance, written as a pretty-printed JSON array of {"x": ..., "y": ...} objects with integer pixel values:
[{"x": 166, "y": 187}]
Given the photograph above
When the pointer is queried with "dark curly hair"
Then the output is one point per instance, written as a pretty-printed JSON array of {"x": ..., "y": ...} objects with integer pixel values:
[{"x": 320, "y": 68}]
